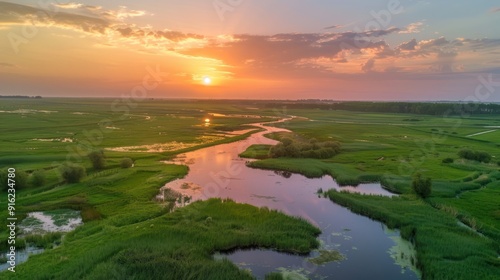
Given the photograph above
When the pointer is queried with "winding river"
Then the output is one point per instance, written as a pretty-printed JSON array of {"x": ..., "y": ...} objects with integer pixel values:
[{"x": 370, "y": 250}]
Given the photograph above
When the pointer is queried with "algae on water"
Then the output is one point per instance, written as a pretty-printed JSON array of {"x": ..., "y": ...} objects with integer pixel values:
[{"x": 326, "y": 256}]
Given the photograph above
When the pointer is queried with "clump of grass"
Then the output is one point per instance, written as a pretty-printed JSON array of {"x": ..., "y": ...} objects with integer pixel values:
[
  {"x": 46, "y": 241},
  {"x": 346, "y": 181},
  {"x": 256, "y": 151}
]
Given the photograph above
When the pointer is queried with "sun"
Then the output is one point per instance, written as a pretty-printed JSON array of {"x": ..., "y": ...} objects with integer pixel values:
[{"x": 207, "y": 80}]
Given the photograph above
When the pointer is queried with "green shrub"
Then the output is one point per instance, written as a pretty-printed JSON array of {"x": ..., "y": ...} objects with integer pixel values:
[
  {"x": 21, "y": 179},
  {"x": 3, "y": 180},
  {"x": 126, "y": 163},
  {"x": 474, "y": 155},
  {"x": 72, "y": 173},
  {"x": 38, "y": 178},
  {"x": 301, "y": 149},
  {"x": 421, "y": 186},
  {"x": 447, "y": 160},
  {"x": 97, "y": 159}
]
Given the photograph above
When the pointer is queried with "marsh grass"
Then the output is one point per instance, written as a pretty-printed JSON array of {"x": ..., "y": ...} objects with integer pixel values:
[
  {"x": 444, "y": 249},
  {"x": 46, "y": 241},
  {"x": 463, "y": 190},
  {"x": 256, "y": 151},
  {"x": 126, "y": 235},
  {"x": 178, "y": 245}
]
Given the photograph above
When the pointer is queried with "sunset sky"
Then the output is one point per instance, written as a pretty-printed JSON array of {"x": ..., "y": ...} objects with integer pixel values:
[{"x": 253, "y": 49}]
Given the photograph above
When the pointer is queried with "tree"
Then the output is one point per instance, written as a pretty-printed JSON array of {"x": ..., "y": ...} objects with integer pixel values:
[
  {"x": 72, "y": 173},
  {"x": 466, "y": 154},
  {"x": 421, "y": 186},
  {"x": 98, "y": 159},
  {"x": 126, "y": 163}
]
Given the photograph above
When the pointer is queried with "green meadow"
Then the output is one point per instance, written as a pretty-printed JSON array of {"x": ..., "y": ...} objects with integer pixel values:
[{"x": 126, "y": 233}]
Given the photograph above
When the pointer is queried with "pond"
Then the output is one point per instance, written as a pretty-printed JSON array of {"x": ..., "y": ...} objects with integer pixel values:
[
  {"x": 352, "y": 246},
  {"x": 41, "y": 223}
]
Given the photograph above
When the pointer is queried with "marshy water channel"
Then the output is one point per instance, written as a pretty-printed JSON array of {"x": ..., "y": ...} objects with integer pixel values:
[{"x": 352, "y": 246}]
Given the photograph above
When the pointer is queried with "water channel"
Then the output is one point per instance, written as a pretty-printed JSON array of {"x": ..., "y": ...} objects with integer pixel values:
[{"x": 370, "y": 250}]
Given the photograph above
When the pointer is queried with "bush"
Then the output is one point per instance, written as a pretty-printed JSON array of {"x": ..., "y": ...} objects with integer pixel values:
[
  {"x": 38, "y": 178},
  {"x": 474, "y": 155},
  {"x": 3, "y": 180},
  {"x": 298, "y": 149},
  {"x": 126, "y": 163},
  {"x": 21, "y": 179},
  {"x": 72, "y": 173},
  {"x": 447, "y": 160},
  {"x": 421, "y": 186},
  {"x": 98, "y": 159}
]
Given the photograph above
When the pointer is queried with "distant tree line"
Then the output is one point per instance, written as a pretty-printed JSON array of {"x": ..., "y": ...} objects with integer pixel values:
[
  {"x": 20, "y": 96},
  {"x": 302, "y": 149},
  {"x": 429, "y": 108}
]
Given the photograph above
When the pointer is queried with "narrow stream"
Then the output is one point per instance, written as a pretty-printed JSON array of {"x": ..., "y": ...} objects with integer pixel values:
[{"x": 369, "y": 250}]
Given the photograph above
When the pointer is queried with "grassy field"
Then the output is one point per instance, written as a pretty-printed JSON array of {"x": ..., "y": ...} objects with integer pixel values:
[
  {"x": 36, "y": 131},
  {"x": 126, "y": 233},
  {"x": 456, "y": 230}
]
